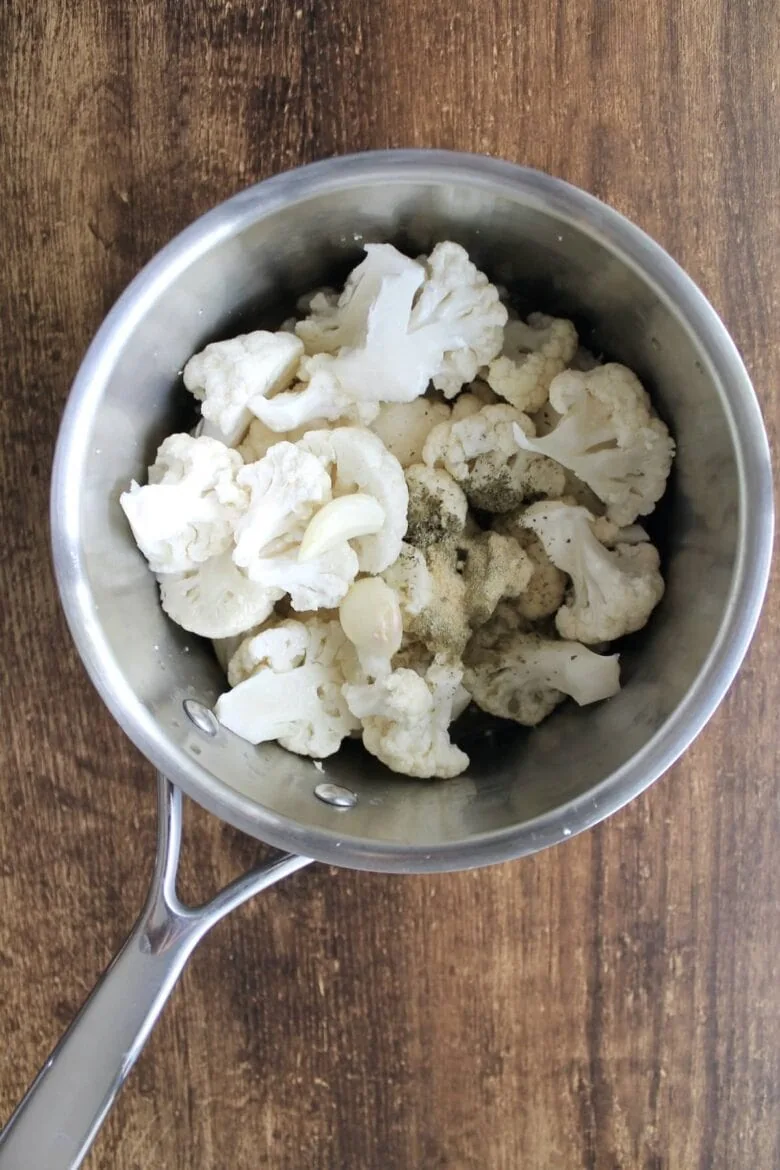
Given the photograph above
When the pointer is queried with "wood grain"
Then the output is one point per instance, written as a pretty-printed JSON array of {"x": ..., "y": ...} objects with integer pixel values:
[{"x": 612, "y": 1004}]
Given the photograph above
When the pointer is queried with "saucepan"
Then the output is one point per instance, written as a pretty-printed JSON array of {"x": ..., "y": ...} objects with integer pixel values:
[{"x": 242, "y": 265}]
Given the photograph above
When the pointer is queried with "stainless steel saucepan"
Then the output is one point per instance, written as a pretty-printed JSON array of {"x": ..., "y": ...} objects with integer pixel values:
[{"x": 232, "y": 269}]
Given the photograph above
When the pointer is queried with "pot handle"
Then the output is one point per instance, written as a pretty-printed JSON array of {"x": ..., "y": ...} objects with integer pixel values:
[{"x": 56, "y": 1122}]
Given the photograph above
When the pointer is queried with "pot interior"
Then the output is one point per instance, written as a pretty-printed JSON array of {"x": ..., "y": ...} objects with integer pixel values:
[{"x": 246, "y": 273}]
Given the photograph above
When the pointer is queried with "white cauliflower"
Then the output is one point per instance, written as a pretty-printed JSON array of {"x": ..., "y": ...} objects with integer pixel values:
[
  {"x": 287, "y": 487},
  {"x": 544, "y": 593},
  {"x": 229, "y": 377},
  {"x": 453, "y": 586},
  {"x": 324, "y": 295},
  {"x": 321, "y": 400},
  {"x": 402, "y": 326},
  {"x": 495, "y": 568},
  {"x": 524, "y": 676},
  {"x": 432, "y": 596},
  {"x": 480, "y": 453},
  {"x": 612, "y": 592},
  {"x": 337, "y": 322},
  {"x": 215, "y": 599},
  {"x": 259, "y": 439},
  {"x": 225, "y": 648},
  {"x": 287, "y": 685},
  {"x": 456, "y": 294},
  {"x": 403, "y": 427},
  {"x": 411, "y": 579},
  {"x": 465, "y": 405},
  {"x": 532, "y": 355},
  {"x": 609, "y": 438},
  {"x": 188, "y": 510},
  {"x": 318, "y": 525},
  {"x": 545, "y": 420},
  {"x": 406, "y": 717},
  {"x": 394, "y": 363},
  {"x": 358, "y": 460},
  {"x": 376, "y": 359},
  {"x": 320, "y": 583},
  {"x": 578, "y": 492},
  {"x": 283, "y": 643},
  {"x": 438, "y": 507},
  {"x": 610, "y": 534}
]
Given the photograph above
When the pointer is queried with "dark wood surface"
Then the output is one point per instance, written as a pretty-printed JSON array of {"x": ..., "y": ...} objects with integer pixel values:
[{"x": 612, "y": 1004}]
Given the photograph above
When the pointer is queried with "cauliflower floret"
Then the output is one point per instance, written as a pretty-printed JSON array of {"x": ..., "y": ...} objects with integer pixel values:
[
  {"x": 403, "y": 427},
  {"x": 531, "y": 357},
  {"x": 188, "y": 510},
  {"x": 495, "y": 568},
  {"x": 320, "y": 583},
  {"x": 479, "y": 453},
  {"x": 410, "y": 577},
  {"x": 610, "y": 535},
  {"x": 283, "y": 644},
  {"x": 613, "y": 593},
  {"x": 286, "y": 487},
  {"x": 230, "y": 376},
  {"x": 458, "y": 295},
  {"x": 545, "y": 420},
  {"x": 259, "y": 439},
  {"x": 507, "y": 619},
  {"x": 358, "y": 459},
  {"x": 578, "y": 492},
  {"x": 225, "y": 648},
  {"x": 321, "y": 400},
  {"x": 379, "y": 358},
  {"x": 319, "y": 297},
  {"x": 396, "y": 361},
  {"x": 432, "y": 596},
  {"x": 336, "y": 322},
  {"x": 437, "y": 506},
  {"x": 609, "y": 438},
  {"x": 544, "y": 593},
  {"x": 452, "y": 587},
  {"x": 406, "y": 716},
  {"x": 464, "y": 406},
  {"x": 215, "y": 599},
  {"x": 523, "y": 676},
  {"x": 416, "y": 656},
  {"x": 287, "y": 685},
  {"x": 401, "y": 325}
]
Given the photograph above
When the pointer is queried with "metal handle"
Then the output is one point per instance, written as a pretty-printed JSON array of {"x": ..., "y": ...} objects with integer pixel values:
[{"x": 62, "y": 1111}]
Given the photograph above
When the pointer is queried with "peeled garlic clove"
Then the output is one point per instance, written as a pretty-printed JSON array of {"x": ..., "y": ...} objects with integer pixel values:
[
  {"x": 340, "y": 520},
  {"x": 370, "y": 617}
]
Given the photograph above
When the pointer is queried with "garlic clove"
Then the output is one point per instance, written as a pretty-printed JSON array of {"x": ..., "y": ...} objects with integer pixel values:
[
  {"x": 370, "y": 617},
  {"x": 342, "y": 519}
]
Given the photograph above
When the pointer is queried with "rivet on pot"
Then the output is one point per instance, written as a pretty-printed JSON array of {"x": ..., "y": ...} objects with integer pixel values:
[
  {"x": 204, "y": 719},
  {"x": 336, "y": 795}
]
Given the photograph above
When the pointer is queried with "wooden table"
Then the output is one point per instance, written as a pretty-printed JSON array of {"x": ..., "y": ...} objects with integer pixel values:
[{"x": 611, "y": 1004}]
